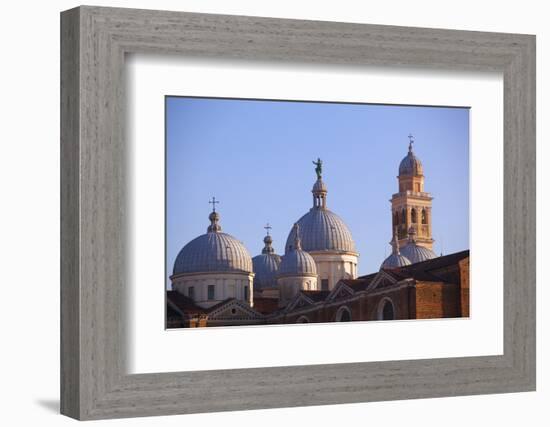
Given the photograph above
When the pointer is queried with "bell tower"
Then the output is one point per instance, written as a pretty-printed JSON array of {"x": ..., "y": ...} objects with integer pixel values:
[{"x": 411, "y": 206}]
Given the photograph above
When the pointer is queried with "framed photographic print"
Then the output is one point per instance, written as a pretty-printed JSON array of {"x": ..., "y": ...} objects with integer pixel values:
[
  {"x": 214, "y": 280},
  {"x": 345, "y": 212}
]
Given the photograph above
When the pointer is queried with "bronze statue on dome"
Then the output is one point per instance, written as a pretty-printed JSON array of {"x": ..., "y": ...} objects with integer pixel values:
[{"x": 318, "y": 167}]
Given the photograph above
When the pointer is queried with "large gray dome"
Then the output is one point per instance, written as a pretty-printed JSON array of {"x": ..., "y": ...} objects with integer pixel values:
[
  {"x": 322, "y": 230},
  {"x": 213, "y": 252}
]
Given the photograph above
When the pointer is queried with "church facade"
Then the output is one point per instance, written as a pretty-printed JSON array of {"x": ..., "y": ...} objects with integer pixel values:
[{"x": 215, "y": 281}]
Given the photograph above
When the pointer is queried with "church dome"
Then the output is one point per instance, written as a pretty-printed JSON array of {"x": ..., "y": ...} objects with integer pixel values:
[
  {"x": 213, "y": 252},
  {"x": 266, "y": 268},
  {"x": 297, "y": 262},
  {"x": 415, "y": 253},
  {"x": 396, "y": 259},
  {"x": 323, "y": 230},
  {"x": 320, "y": 228},
  {"x": 410, "y": 165},
  {"x": 266, "y": 265}
]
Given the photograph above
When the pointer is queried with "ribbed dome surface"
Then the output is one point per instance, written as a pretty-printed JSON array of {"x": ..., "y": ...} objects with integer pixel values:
[
  {"x": 297, "y": 262},
  {"x": 415, "y": 253},
  {"x": 213, "y": 252},
  {"x": 395, "y": 260},
  {"x": 410, "y": 165},
  {"x": 319, "y": 187},
  {"x": 322, "y": 230},
  {"x": 266, "y": 267}
]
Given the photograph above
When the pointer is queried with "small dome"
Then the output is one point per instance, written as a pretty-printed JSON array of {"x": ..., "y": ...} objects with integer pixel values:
[
  {"x": 297, "y": 262},
  {"x": 213, "y": 252},
  {"x": 410, "y": 165},
  {"x": 395, "y": 261},
  {"x": 319, "y": 187},
  {"x": 266, "y": 265},
  {"x": 415, "y": 253},
  {"x": 266, "y": 268}
]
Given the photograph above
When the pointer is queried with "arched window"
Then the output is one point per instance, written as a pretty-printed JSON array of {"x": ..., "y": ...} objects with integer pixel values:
[
  {"x": 395, "y": 218},
  {"x": 424, "y": 217},
  {"x": 343, "y": 314},
  {"x": 403, "y": 217},
  {"x": 386, "y": 310},
  {"x": 413, "y": 215}
]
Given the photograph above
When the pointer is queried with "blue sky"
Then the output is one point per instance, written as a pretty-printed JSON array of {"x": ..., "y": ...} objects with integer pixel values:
[{"x": 255, "y": 157}]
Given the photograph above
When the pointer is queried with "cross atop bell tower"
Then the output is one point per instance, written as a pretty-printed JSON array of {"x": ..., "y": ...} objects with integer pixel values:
[{"x": 411, "y": 206}]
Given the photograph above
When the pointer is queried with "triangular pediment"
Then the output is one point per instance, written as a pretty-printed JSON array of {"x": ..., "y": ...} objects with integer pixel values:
[
  {"x": 382, "y": 279},
  {"x": 233, "y": 310},
  {"x": 299, "y": 301},
  {"x": 340, "y": 291}
]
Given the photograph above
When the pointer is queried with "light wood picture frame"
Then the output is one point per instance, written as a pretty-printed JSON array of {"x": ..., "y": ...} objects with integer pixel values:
[{"x": 94, "y": 42}]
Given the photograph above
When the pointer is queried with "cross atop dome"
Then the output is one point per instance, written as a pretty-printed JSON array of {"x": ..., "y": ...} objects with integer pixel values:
[
  {"x": 411, "y": 141},
  {"x": 214, "y": 218},
  {"x": 213, "y": 202},
  {"x": 268, "y": 249}
]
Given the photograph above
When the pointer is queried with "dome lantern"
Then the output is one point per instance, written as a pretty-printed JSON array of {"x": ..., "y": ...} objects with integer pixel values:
[
  {"x": 412, "y": 234},
  {"x": 268, "y": 249},
  {"x": 319, "y": 189},
  {"x": 395, "y": 260},
  {"x": 214, "y": 218},
  {"x": 297, "y": 241}
]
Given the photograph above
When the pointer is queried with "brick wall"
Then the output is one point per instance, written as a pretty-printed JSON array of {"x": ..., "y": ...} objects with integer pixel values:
[
  {"x": 464, "y": 266},
  {"x": 435, "y": 300}
]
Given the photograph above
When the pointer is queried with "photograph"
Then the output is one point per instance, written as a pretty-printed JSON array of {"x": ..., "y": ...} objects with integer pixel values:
[{"x": 292, "y": 212}]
